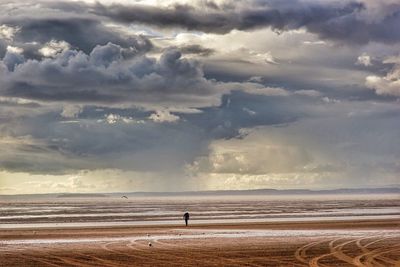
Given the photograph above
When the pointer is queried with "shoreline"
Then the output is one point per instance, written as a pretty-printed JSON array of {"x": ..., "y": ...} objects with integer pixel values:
[{"x": 22, "y": 233}]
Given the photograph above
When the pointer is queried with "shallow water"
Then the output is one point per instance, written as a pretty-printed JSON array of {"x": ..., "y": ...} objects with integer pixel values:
[{"x": 113, "y": 211}]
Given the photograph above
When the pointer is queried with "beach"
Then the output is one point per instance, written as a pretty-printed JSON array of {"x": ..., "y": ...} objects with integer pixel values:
[{"x": 325, "y": 232}]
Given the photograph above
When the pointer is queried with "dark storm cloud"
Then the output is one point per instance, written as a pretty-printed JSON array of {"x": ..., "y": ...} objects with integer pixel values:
[
  {"x": 91, "y": 142},
  {"x": 43, "y": 22},
  {"x": 108, "y": 74},
  {"x": 356, "y": 30},
  {"x": 335, "y": 21},
  {"x": 81, "y": 33},
  {"x": 240, "y": 110},
  {"x": 277, "y": 16},
  {"x": 3, "y": 48}
]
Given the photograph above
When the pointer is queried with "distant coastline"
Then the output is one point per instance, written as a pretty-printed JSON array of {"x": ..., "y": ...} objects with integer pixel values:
[{"x": 251, "y": 192}]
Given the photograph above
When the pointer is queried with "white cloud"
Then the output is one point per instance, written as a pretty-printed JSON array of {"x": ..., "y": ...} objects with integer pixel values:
[
  {"x": 253, "y": 155},
  {"x": 364, "y": 60},
  {"x": 388, "y": 84},
  {"x": 8, "y": 32},
  {"x": 52, "y": 48},
  {"x": 71, "y": 111},
  {"x": 114, "y": 118},
  {"x": 163, "y": 116},
  {"x": 256, "y": 79},
  {"x": 314, "y": 42},
  {"x": 249, "y": 55},
  {"x": 311, "y": 93},
  {"x": 16, "y": 100},
  {"x": 223, "y": 181},
  {"x": 254, "y": 87},
  {"x": 330, "y": 100},
  {"x": 260, "y": 57},
  {"x": 383, "y": 85},
  {"x": 268, "y": 91},
  {"x": 14, "y": 49}
]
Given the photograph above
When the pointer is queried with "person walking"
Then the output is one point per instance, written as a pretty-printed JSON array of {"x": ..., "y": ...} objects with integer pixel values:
[{"x": 186, "y": 217}]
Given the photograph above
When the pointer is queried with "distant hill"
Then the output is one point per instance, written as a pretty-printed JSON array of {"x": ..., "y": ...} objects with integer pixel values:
[
  {"x": 254, "y": 192},
  {"x": 270, "y": 192}
]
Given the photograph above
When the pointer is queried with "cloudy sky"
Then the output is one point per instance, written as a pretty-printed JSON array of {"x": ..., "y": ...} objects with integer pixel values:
[{"x": 169, "y": 95}]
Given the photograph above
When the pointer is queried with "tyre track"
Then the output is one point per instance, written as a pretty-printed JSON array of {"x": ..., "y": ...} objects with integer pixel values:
[
  {"x": 205, "y": 255},
  {"x": 370, "y": 258},
  {"x": 104, "y": 262},
  {"x": 337, "y": 246},
  {"x": 338, "y": 252},
  {"x": 166, "y": 245},
  {"x": 236, "y": 261},
  {"x": 36, "y": 259},
  {"x": 136, "y": 246},
  {"x": 314, "y": 261},
  {"x": 48, "y": 262},
  {"x": 357, "y": 260},
  {"x": 301, "y": 253},
  {"x": 130, "y": 245}
]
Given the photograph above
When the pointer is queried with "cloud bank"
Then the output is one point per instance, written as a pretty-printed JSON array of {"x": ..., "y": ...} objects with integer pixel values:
[{"x": 187, "y": 95}]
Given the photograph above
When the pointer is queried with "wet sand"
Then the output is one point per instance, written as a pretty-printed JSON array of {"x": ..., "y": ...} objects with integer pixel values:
[
  {"x": 141, "y": 211},
  {"x": 322, "y": 243}
]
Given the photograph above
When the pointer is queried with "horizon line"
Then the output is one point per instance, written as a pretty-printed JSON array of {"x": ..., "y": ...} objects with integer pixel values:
[{"x": 302, "y": 190}]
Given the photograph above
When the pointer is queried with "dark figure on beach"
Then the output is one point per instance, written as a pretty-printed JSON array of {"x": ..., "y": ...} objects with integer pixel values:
[{"x": 186, "y": 217}]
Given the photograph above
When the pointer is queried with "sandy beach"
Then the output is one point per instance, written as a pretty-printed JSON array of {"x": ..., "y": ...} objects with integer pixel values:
[
  {"x": 356, "y": 243},
  {"x": 258, "y": 231}
]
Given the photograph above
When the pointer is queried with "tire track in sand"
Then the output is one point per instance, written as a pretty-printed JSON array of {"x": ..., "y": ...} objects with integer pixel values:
[
  {"x": 73, "y": 262},
  {"x": 130, "y": 245},
  {"x": 205, "y": 255},
  {"x": 173, "y": 247},
  {"x": 366, "y": 252},
  {"x": 49, "y": 259},
  {"x": 145, "y": 249},
  {"x": 231, "y": 261},
  {"x": 36, "y": 259},
  {"x": 338, "y": 252},
  {"x": 104, "y": 262},
  {"x": 301, "y": 253},
  {"x": 49, "y": 262},
  {"x": 335, "y": 251},
  {"x": 370, "y": 258}
]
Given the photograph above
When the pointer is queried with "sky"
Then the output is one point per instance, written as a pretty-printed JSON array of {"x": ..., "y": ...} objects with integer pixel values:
[{"x": 124, "y": 96}]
